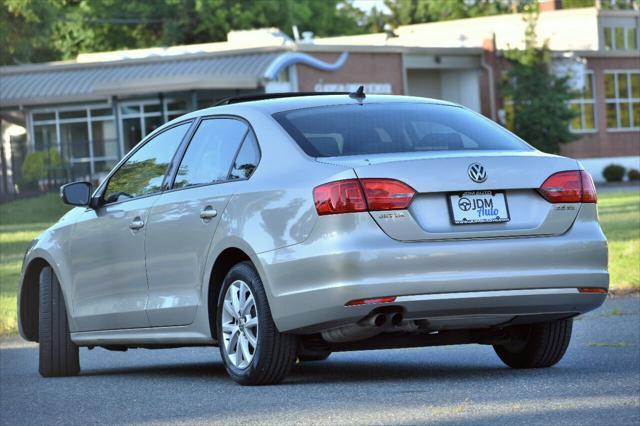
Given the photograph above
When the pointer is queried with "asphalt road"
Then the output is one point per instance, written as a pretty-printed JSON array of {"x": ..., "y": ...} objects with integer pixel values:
[{"x": 598, "y": 382}]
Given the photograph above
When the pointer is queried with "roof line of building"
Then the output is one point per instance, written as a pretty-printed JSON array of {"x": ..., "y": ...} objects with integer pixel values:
[
  {"x": 67, "y": 65},
  {"x": 354, "y": 48}
]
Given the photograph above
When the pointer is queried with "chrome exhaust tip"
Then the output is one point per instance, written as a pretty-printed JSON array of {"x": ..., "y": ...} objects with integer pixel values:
[{"x": 396, "y": 318}]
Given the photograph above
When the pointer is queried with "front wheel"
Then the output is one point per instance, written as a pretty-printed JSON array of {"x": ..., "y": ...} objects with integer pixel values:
[
  {"x": 536, "y": 346},
  {"x": 59, "y": 356},
  {"x": 253, "y": 351}
]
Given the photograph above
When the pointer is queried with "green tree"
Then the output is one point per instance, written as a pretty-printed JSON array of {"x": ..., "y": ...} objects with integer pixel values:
[
  {"x": 405, "y": 12},
  {"x": 26, "y": 30},
  {"x": 536, "y": 99},
  {"x": 40, "y": 165},
  {"x": 41, "y": 30}
]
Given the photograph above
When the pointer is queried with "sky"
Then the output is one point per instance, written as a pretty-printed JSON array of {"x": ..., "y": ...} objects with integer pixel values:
[{"x": 367, "y": 5}]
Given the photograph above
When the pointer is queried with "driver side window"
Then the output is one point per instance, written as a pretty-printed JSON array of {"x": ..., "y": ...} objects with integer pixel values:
[{"x": 144, "y": 171}]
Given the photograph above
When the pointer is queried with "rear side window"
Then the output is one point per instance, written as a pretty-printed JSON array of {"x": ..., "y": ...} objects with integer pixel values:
[
  {"x": 144, "y": 171},
  {"x": 210, "y": 153},
  {"x": 247, "y": 159},
  {"x": 342, "y": 130}
]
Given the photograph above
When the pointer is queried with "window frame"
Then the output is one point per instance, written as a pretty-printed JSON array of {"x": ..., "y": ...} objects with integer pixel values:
[
  {"x": 87, "y": 120},
  {"x": 171, "y": 179},
  {"x": 626, "y": 31},
  {"x": 581, "y": 102},
  {"x": 617, "y": 101},
  {"x": 98, "y": 195}
]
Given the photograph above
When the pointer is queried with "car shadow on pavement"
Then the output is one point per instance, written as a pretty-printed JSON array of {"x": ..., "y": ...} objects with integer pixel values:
[
  {"x": 339, "y": 369},
  {"x": 338, "y": 372},
  {"x": 177, "y": 370},
  {"x": 353, "y": 372}
]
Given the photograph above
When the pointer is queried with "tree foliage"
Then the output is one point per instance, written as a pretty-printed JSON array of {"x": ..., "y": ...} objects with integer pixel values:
[
  {"x": 40, "y": 165},
  {"x": 536, "y": 98},
  {"x": 42, "y": 30},
  {"x": 405, "y": 12},
  {"x": 26, "y": 30}
]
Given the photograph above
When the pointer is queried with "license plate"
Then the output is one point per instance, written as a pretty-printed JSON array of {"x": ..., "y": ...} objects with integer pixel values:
[{"x": 478, "y": 207}]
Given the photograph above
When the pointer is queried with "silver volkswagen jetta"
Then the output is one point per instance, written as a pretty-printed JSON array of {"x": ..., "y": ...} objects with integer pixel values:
[{"x": 284, "y": 228}]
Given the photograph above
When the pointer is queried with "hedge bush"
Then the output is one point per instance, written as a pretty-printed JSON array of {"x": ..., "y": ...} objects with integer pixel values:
[
  {"x": 633, "y": 174},
  {"x": 38, "y": 164},
  {"x": 614, "y": 173}
]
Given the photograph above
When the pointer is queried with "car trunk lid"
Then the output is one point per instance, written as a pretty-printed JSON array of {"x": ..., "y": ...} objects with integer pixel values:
[{"x": 442, "y": 179}]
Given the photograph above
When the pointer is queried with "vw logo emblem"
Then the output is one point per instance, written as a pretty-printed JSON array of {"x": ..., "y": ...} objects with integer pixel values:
[{"x": 477, "y": 173}]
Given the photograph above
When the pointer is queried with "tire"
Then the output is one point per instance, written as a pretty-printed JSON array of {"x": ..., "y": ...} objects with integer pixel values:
[
  {"x": 59, "y": 356},
  {"x": 272, "y": 354},
  {"x": 311, "y": 357},
  {"x": 537, "y": 346}
]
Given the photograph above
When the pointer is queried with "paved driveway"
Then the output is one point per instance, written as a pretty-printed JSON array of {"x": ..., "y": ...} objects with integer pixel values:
[{"x": 598, "y": 382}]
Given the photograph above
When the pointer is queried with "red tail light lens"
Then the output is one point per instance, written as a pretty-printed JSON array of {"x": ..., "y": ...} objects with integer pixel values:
[
  {"x": 387, "y": 194},
  {"x": 589, "y": 194},
  {"x": 574, "y": 186},
  {"x": 353, "y": 195},
  {"x": 343, "y": 196}
]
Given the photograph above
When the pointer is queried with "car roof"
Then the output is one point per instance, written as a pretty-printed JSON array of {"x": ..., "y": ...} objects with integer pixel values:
[{"x": 272, "y": 106}]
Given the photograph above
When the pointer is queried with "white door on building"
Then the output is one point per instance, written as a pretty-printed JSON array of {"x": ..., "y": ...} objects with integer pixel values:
[{"x": 459, "y": 86}]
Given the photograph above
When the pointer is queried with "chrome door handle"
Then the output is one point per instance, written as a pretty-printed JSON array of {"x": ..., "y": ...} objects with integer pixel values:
[
  {"x": 136, "y": 224},
  {"x": 208, "y": 213}
]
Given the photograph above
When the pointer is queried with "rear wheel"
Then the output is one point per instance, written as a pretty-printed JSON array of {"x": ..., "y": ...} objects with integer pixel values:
[
  {"x": 253, "y": 351},
  {"x": 536, "y": 346},
  {"x": 59, "y": 356}
]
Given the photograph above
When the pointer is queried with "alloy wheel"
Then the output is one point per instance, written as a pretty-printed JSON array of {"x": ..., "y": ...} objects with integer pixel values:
[{"x": 240, "y": 324}]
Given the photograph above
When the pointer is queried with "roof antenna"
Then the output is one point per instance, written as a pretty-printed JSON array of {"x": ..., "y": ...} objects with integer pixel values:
[{"x": 358, "y": 94}]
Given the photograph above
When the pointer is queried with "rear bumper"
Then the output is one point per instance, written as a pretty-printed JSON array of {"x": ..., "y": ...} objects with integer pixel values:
[{"x": 453, "y": 284}]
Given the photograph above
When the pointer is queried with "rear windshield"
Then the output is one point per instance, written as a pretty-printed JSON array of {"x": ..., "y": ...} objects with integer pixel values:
[{"x": 342, "y": 130}]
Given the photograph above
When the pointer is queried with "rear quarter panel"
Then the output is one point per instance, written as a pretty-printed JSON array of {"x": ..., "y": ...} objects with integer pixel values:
[{"x": 274, "y": 208}]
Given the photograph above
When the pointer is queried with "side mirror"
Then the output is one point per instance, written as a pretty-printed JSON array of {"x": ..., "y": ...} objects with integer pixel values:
[{"x": 76, "y": 193}]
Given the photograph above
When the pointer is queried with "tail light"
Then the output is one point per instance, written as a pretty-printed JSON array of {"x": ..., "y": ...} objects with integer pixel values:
[
  {"x": 343, "y": 196},
  {"x": 574, "y": 186},
  {"x": 359, "y": 195}
]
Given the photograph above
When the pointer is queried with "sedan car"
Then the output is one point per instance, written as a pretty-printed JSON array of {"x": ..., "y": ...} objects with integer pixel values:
[{"x": 285, "y": 228}]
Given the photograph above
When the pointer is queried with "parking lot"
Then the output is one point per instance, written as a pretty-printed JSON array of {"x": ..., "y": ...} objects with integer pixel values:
[{"x": 598, "y": 382}]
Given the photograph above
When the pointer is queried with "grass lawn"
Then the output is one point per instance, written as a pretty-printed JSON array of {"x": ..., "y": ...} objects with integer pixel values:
[
  {"x": 620, "y": 219},
  {"x": 22, "y": 220}
]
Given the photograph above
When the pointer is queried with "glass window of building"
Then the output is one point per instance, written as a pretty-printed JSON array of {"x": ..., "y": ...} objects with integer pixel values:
[
  {"x": 620, "y": 38},
  {"x": 175, "y": 107},
  {"x": 632, "y": 39},
  {"x": 622, "y": 92},
  {"x": 139, "y": 118},
  {"x": 84, "y": 135},
  {"x": 584, "y": 107}
]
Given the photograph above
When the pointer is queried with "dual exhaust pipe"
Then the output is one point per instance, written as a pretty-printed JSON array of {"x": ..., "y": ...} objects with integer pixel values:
[
  {"x": 382, "y": 319},
  {"x": 369, "y": 326}
]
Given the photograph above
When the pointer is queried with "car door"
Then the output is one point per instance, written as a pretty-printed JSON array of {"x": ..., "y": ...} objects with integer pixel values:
[
  {"x": 107, "y": 249},
  {"x": 183, "y": 221}
]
